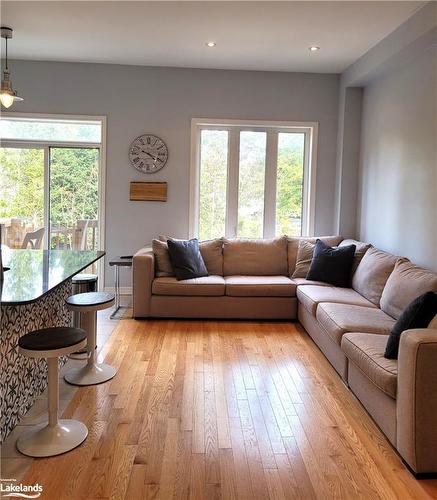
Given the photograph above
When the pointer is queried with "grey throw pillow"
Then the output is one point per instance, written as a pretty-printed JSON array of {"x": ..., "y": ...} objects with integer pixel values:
[
  {"x": 303, "y": 259},
  {"x": 186, "y": 260}
]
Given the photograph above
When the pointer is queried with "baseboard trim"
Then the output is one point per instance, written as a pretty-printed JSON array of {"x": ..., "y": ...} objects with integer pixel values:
[
  {"x": 124, "y": 290},
  {"x": 419, "y": 475}
]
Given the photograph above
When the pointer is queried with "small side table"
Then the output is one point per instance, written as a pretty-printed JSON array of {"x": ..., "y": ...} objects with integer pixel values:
[{"x": 122, "y": 261}]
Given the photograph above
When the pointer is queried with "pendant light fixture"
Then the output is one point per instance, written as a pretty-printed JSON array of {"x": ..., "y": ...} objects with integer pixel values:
[{"x": 7, "y": 93}]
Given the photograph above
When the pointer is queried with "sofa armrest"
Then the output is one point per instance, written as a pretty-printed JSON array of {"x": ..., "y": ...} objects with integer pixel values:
[
  {"x": 143, "y": 273},
  {"x": 417, "y": 400}
]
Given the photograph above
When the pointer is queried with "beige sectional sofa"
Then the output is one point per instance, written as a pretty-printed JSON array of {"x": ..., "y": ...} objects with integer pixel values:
[{"x": 253, "y": 279}]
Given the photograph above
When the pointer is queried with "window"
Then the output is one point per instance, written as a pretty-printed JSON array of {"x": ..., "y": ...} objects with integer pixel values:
[
  {"x": 252, "y": 179},
  {"x": 52, "y": 181}
]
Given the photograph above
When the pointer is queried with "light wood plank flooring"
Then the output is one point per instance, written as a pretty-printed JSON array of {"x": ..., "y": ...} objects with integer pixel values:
[{"x": 208, "y": 409}]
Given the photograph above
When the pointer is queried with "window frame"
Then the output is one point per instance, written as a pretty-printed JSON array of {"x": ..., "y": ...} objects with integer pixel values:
[
  {"x": 46, "y": 145},
  {"x": 272, "y": 129}
]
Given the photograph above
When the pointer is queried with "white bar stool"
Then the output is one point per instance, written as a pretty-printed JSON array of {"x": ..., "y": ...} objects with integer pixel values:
[
  {"x": 58, "y": 436},
  {"x": 82, "y": 283},
  {"x": 88, "y": 304}
]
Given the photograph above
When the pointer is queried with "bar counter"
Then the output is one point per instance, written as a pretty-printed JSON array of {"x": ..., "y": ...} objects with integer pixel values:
[{"x": 32, "y": 296}]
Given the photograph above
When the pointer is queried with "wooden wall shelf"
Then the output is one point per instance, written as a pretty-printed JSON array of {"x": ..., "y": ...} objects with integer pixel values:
[{"x": 148, "y": 191}]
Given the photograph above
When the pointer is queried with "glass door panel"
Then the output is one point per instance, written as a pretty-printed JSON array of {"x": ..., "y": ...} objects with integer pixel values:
[
  {"x": 289, "y": 183},
  {"x": 74, "y": 198},
  {"x": 252, "y": 166},
  {"x": 213, "y": 183},
  {"x": 22, "y": 197}
]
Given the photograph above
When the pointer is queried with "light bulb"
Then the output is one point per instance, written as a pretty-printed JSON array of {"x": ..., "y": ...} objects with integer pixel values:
[{"x": 6, "y": 99}]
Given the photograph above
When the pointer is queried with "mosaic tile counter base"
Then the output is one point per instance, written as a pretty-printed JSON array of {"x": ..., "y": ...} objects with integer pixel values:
[{"x": 23, "y": 379}]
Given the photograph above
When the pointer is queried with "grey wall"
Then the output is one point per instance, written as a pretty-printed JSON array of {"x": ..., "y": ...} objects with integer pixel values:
[
  {"x": 162, "y": 101},
  {"x": 348, "y": 160},
  {"x": 389, "y": 95},
  {"x": 399, "y": 48},
  {"x": 398, "y": 180}
]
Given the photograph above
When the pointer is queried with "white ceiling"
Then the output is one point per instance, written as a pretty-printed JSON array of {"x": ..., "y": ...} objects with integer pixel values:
[{"x": 249, "y": 35}]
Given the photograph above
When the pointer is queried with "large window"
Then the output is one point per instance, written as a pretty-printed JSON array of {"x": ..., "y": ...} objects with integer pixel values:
[
  {"x": 252, "y": 179},
  {"x": 51, "y": 182}
]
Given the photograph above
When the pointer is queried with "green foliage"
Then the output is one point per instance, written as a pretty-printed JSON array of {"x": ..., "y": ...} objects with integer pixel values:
[
  {"x": 73, "y": 185},
  {"x": 251, "y": 184},
  {"x": 22, "y": 184},
  {"x": 213, "y": 180},
  {"x": 289, "y": 184}
]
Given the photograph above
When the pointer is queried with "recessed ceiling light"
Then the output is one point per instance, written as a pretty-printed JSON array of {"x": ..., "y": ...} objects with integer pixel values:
[
  {"x": 211, "y": 44},
  {"x": 314, "y": 48}
]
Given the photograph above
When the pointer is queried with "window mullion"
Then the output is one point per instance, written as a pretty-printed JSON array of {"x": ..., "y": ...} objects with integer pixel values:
[
  {"x": 308, "y": 201},
  {"x": 270, "y": 184},
  {"x": 233, "y": 178},
  {"x": 193, "y": 228},
  {"x": 46, "y": 241}
]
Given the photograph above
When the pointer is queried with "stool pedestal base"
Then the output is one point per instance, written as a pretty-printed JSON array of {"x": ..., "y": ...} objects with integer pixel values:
[
  {"x": 90, "y": 374},
  {"x": 46, "y": 441}
]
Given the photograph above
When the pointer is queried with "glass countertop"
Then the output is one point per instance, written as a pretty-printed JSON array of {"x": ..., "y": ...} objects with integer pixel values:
[{"x": 33, "y": 273}]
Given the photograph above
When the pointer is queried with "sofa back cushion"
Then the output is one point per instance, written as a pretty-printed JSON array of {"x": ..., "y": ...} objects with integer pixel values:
[
  {"x": 406, "y": 283},
  {"x": 305, "y": 247},
  {"x": 372, "y": 274},
  {"x": 255, "y": 257},
  {"x": 211, "y": 251},
  {"x": 360, "y": 250}
]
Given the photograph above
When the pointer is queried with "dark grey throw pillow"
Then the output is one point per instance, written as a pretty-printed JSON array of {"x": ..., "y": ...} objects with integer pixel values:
[
  {"x": 332, "y": 265},
  {"x": 418, "y": 314},
  {"x": 186, "y": 260}
]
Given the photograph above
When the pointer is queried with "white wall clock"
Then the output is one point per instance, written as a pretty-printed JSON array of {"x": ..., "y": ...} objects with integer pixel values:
[{"x": 148, "y": 153}]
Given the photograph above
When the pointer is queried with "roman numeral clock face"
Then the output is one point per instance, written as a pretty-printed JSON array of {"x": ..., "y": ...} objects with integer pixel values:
[{"x": 148, "y": 153}]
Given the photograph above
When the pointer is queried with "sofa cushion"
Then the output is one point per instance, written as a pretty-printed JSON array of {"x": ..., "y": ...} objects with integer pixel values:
[
  {"x": 208, "y": 285},
  {"x": 338, "y": 319},
  {"x": 406, "y": 283},
  {"x": 312, "y": 295},
  {"x": 366, "y": 351},
  {"x": 372, "y": 273},
  {"x": 293, "y": 245},
  {"x": 260, "y": 286},
  {"x": 304, "y": 281},
  {"x": 211, "y": 251},
  {"x": 360, "y": 250},
  {"x": 255, "y": 257}
]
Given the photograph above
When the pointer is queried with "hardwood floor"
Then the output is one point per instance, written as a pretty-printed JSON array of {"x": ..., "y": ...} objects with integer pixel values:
[{"x": 207, "y": 409}]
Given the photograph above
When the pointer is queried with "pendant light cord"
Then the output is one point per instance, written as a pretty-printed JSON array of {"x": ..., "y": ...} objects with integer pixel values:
[{"x": 6, "y": 54}]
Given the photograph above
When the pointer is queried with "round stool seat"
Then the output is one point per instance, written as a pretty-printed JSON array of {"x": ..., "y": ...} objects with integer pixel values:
[
  {"x": 90, "y": 301},
  {"x": 56, "y": 341},
  {"x": 81, "y": 279}
]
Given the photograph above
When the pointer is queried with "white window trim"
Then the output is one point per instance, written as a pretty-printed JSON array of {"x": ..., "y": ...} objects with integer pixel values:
[
  {"x": 96, "y": 145},
  {"x": 233, "y": 126}
]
